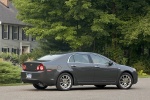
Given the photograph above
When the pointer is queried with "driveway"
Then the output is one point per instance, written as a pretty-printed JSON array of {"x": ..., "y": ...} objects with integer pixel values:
[{"x": 139, "y": 91}]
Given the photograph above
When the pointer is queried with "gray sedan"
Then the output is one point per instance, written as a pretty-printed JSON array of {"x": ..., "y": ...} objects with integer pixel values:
[{"x": 77, "y": 68}]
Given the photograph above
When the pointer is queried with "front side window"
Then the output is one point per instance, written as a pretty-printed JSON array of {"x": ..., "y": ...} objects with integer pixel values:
[
  {"x": 79, "y": 58},
  {"x": 5, "y": 31},
  {"x": 99, "y": 59},
  {"x": 15, "y": 33}
]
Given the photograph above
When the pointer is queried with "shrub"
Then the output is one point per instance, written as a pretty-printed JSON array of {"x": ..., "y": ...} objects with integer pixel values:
[
  {"x": 23, "y": 58},
  {"x": 36, "y": 53},
  {"x": 116, "y": 54},
  {"x": 139, "y": 66},
  {"x": 9, "y": 73},
  {"x": 141, "y": 73},
  {"x": 14, "y": 58}
]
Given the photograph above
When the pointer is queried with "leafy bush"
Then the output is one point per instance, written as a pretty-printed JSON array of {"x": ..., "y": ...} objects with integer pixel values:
[
  {"x": 139, "y": 66},
  {"x": 36, "y": 53},
  {"x": 14, "y": 58},
  {"x": 116, "y": 54},
  {"x": 141, "y": 73},
  {"x": 23, "y": 58},
  {"x": 9, "y": 73}
]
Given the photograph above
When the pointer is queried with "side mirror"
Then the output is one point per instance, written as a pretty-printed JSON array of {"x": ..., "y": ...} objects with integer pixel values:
[{"x": 110, "y": 63}]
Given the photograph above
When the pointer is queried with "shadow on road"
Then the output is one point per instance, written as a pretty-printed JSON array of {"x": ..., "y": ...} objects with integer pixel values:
[{"x": 74, "y": 88}]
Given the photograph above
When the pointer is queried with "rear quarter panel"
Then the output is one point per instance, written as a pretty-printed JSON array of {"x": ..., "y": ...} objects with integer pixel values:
[{"x": 59, "y": 65}]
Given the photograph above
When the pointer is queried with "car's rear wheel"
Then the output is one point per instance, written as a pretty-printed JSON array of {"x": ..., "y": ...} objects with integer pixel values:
[
  {"x": 100, "y": 86},
  {"x": 40, "y": 86},
  {"x": 125, "y": 81},
  {"x": 64, "y": 82}
]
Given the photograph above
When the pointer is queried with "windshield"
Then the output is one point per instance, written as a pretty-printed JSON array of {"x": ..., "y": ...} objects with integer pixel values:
[{"x": 49, "y": 57}]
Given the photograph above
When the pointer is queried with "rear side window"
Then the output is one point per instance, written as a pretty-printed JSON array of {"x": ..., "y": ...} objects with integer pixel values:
[
  {"x": 49, "y": 57},
  {"x": 79, "y": 58}
]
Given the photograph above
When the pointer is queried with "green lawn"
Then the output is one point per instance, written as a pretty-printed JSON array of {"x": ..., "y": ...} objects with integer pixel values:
[
  {"x": 14, "y": 84},
  {"x": 147, "y": 76}
]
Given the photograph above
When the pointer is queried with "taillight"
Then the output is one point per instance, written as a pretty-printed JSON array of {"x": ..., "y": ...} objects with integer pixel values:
[
  {"x": 40, "y": 67},
  {"x": 24, "y": 67}
]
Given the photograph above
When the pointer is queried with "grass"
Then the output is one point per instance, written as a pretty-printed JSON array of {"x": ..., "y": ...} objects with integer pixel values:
[
  {"x": 14, "y": 84},
  {"x": 147, "y": 76}
]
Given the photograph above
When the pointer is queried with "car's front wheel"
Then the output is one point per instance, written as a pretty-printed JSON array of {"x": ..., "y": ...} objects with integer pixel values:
[
  {"x": 40, "y": 86},
  {"x": 125, "y": 81},
  {"x": 64, "y": 82}
]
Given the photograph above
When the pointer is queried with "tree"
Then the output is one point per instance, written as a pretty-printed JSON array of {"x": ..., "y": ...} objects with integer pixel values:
[{"x": 112, "y": 27}]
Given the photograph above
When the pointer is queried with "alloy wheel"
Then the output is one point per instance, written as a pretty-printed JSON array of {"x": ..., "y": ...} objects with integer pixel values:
[
  {"x": 64, "y": 82},
  {"x": 125, "y": 81}
]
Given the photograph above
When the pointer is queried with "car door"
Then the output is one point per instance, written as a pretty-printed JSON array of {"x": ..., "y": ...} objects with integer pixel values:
[
  {"x": 82, "y": 68},
  {"x": 103, "y": 72}
]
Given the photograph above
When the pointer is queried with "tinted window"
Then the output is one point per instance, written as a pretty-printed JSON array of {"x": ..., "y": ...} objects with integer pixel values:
[
  {"x": 49, "y": 57},
  {"x": 79, "y": 58},
  {"x": 99, "y": 59}
]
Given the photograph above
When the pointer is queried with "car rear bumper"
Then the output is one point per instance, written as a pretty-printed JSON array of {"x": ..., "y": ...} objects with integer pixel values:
[{"x": 38, "y": 77}]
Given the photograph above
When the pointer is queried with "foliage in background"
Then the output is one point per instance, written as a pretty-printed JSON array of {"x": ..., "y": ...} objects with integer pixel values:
[
  {"x": 50, "y": 44},
  {"x": 119, "y": 29},
  {"x": 9, "y": 73},
  {"x": 14, "y": 58},
  {"x": 141, "y": 73}
]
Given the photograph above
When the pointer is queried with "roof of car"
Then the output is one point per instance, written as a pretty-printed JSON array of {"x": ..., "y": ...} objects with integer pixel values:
[{"x": 70, "y": 53}]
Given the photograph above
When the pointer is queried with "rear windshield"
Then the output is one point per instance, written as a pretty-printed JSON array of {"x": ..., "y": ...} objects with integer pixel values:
[{"x": 49, "y": 57}]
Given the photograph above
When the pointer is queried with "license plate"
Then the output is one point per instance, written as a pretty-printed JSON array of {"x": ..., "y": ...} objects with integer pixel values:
[{"x": 28, "y": 75}]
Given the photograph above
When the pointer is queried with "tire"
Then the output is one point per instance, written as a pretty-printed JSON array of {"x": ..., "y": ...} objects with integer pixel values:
[
  {"x": 100, "y": 86},
  {"x": 40, "y": 86},
  {"x": 125, "y": 81},
  {"x": 64, "y": 82}
]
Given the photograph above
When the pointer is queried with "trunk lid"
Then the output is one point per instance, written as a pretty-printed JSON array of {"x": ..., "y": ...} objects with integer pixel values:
[{"x": 31, "y": 66}]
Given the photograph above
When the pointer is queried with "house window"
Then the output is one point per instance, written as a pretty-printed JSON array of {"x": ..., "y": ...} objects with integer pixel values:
[
  {"x": 15, "y": 50},
  {"x": 33, "y": 38},
  {"x": 5, "y": 32},
  {"x": 5, "y": 49},
  {"x": 24, "y": 36},
  {"x": 15, "y": 33}
]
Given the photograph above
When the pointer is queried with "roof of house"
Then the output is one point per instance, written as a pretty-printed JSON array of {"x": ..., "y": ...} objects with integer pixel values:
[{"x": 8, "y": 15}]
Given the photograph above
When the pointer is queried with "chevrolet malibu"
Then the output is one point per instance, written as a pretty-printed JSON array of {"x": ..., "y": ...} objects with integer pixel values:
[{"x": 77, "y": 68}]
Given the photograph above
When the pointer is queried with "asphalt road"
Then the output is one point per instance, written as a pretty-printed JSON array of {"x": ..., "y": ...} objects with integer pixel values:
[{"x": 139, "y": 91}]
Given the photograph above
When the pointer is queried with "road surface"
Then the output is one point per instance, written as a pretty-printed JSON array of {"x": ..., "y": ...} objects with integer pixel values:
[{"x": 139, "y": 91}]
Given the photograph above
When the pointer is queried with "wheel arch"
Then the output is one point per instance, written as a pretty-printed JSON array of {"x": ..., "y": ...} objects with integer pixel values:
[
  {"x": 73, "y": 78},
  {"x": 128, "y": 73}
]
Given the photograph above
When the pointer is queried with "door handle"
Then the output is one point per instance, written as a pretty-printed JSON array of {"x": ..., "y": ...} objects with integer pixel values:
[
  {"x": 73, "y": 66},
  {"x": 96, "y": 66}
]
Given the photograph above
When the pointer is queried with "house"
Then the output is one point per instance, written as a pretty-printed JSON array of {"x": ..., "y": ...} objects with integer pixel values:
[{"x": 12, "y": 36}]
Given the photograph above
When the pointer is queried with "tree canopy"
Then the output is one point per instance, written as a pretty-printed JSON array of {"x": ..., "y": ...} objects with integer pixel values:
[{"x": 90, "y": 25}]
